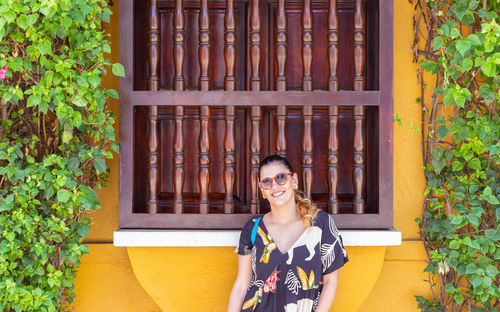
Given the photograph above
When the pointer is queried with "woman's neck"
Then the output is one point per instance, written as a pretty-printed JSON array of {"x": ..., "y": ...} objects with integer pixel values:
[{"x": 284, "y": 214}]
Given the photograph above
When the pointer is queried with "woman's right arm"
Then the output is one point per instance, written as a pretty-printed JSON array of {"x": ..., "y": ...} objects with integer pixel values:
[{"x": 243, "y": 278}]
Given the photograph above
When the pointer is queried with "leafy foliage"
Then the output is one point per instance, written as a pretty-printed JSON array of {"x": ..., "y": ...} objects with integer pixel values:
[
  {"x": 56, "y": 132},
  {"x": 459, "y": 225}
]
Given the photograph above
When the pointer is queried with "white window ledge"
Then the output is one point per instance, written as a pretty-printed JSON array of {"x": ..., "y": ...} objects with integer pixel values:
[{"x": 228, "y": 238}]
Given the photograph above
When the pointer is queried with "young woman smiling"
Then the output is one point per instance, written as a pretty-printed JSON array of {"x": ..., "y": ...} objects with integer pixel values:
[{"x": 289, "y": 258}]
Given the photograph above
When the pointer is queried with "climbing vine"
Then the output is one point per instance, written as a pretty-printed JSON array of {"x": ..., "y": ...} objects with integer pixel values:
[
  {"x": 56, "y": 132},
  {"x": 457, "y": 47}
]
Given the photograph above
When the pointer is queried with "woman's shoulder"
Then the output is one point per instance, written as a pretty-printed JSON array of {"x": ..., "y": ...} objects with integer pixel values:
[
  {"x": 322, "y": 218},
  {"x": 251, "y": 223}
]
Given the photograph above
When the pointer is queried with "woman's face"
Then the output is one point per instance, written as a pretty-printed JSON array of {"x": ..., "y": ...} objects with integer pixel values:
[{"x": 278, "y": 195}]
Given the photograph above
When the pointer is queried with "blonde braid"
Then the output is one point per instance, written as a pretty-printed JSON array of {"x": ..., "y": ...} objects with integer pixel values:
[{"x": 307, "y": 209}]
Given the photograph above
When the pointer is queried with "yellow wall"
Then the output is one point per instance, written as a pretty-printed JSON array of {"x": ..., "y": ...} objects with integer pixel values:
[{"x": 376, "y": 278}]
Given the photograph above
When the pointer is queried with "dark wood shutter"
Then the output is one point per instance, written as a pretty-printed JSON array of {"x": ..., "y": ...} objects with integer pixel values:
[{"x": 212, "y": 87}]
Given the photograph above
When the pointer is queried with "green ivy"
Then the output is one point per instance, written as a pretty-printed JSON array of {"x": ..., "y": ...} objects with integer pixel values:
[
  {"x": 56, "y": 132},
  {"x": 460, "y": 49}
]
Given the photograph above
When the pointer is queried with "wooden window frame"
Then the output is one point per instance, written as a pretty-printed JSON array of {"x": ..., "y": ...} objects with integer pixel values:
[{"x": 383, "y": 98}]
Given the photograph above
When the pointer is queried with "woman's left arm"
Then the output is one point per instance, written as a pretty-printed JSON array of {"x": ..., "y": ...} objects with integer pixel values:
[{"x": 330, "y": 283}]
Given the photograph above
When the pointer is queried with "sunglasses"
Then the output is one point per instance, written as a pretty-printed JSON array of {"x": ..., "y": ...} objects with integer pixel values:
[{"x": 280, "y": 178}]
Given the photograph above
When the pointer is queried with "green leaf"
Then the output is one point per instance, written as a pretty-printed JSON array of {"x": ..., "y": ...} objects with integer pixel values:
[
  {"x": 437, "y": 43},
  {"x": 454, "y": 33},
  {"x": 79, "y": 101},
  {"x": 100, "y": 164},
  {"x": 112, "y": 93},
  {"x": 63, "y": 195},
  {"x": 489, "y": 68},
  {"x": 474, "y": 40},
  {"x": 466, "y": 64},
  {"x": 487, "y": 93},
  {"x": 118, "y": 70},
  {"x": 464, "y": 133},
  {"x": 457, "y": 166},
  {"x": 442, "y": 131},
  {"x": 458, "y": 99},
  {"x": 454, "y": 244}
]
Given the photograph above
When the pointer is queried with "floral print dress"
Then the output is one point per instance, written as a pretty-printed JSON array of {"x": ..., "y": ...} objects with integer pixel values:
[{"x": 291, "y": 281}]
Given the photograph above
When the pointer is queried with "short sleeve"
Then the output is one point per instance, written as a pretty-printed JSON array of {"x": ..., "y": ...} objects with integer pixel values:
[
  {"x": 333, "y": 253},
  {"x": 245, "y": 244}
]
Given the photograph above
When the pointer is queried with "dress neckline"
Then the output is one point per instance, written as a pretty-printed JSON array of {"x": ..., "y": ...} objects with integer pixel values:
[{"x": 272, "y": 239}]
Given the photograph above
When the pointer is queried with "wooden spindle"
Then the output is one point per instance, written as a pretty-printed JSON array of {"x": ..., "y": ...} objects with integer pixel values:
[
  {"x": 229, "y": 158},
  {"x": 281, "y": 81},
  {"x": 152, "y": 84},
  {"x": 204, "y": 111},
  {"x": 281, "y": 135},
  {"x": 255, "y": 117},
  {"x": 307, "y": 45},
  {"x": 359, "y": 46},
  {"x": 255, "y": 111},
  {"x": 255, "y": 26},
  {"x": 333, "y": 41},
  {"x": 307, "y": 85},
  {"x": 229, "y": 110},
  {"x": 178, "y": 142},
  {"x": 230, "y": 46},
  {"x": 204, "y": 46},
  {"x": 178, "y": 159},
  {"x": 358, "y": 111},
  {"x": 307, "y": 150},
  {"x": 204, "y": 158},
  {"x": 333, "y": 111},
  {"x": 178, "y": 39},
  {"x": 333, "y": 146},
  {"x": 358, "y": 160},
  {"x": 281, "y": 46}
]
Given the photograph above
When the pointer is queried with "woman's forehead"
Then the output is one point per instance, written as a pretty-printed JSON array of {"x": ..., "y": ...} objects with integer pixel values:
[{"x": 272, "y": 169}]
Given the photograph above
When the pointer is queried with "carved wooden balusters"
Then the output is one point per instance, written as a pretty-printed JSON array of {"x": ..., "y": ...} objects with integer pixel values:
[
  {"x": 204, "y": 46},
  {"x": 333, "y": 43},
  {"x": 333, "y": 160},
  {"x": 307, "y": 85},
  {"x": 359, "y": 85},
  {"x": 204, "y": 158},
  {"x": 255, "y": 117},
  {"x": 255, "y": 111},
  {"x": 204, "y": 111},
  {"x": 153, "y": 85},
  {"x": 333, "y": 111},
  {"x": 229, "y": 110},
  {"x": 178, "y": 159},
  {"x": 178, "y": 142},
  {"x": 178, "y": 39},
  {"x": 281, "y": 46},
  {"x": 255, "y": 38},
  {"x": 281, "y": 81},
  {"x": 307, "y": 45}
]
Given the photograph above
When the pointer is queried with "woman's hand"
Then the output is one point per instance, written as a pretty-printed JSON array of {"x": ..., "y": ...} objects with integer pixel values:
[
  {"x": 243, "y": 278},
  {"x": 330, "y": 283}
]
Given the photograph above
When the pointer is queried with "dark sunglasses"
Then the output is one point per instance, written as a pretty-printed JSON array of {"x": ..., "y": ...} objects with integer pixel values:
[{"x": 280, "y": 178}]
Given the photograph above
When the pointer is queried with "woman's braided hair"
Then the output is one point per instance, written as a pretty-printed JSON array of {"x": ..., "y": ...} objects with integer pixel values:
[{"x": 307, "y": 209}]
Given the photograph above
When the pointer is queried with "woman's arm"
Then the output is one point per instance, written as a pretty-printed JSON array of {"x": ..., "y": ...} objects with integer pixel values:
[
  {"x": 330, "y": 283},
  {"x": 243, "y": 279}
]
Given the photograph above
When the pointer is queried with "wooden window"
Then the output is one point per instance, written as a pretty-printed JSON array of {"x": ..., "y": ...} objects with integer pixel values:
[{"x": 212, "y": 87}]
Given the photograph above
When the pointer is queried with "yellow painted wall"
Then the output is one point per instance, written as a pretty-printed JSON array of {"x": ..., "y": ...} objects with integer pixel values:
[{"x": 376, "y": 278}]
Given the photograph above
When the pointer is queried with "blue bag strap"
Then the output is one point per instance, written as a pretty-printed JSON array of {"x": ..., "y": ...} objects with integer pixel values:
[{"x": 255, "y": 229}]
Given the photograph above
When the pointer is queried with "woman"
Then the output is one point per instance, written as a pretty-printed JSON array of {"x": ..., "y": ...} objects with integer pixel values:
[{"x": 288, "y": 259}]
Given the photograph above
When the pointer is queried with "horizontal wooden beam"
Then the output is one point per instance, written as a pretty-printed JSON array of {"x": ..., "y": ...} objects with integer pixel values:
[
  {"x": 249, "y": 98},
  {"x": 237, "y": 221}
]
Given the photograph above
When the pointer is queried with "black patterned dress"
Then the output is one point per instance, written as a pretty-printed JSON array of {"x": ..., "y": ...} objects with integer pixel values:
[{"x": 292, "y": 281}]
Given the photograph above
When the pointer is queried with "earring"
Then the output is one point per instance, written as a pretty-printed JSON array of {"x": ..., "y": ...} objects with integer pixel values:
[
  {"x": 296, "y": 186},
  {"x": 264, "y": 196}
]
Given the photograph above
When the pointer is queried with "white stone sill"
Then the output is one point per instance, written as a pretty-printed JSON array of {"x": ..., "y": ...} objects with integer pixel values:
[{"x": 230, "y": 238}]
